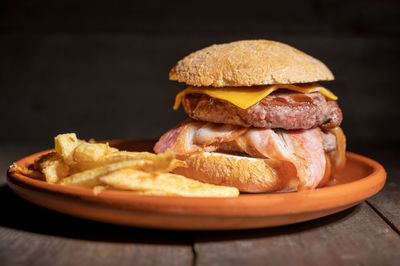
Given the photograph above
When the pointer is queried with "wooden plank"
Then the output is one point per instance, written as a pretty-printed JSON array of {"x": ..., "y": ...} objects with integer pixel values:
[
  {"x": 387, "y": 201},
  {"x": 23, "y": 248},
  {"x": 354, "y": 237}
]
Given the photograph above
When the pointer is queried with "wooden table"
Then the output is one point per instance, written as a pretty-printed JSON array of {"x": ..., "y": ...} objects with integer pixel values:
[{"x": 368, "y": 234}]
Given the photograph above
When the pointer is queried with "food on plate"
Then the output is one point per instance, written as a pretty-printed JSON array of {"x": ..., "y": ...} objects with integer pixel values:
[
  {"x": 259, "y": 121},
  {"x": 52, "y": 166},
  {"x": 27, "y": 171},
  {"x": 170, "y": 184},
  {"x": 101, "y": 167}
]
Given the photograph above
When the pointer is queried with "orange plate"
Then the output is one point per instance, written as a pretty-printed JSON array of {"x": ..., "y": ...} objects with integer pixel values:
[{"x": 361, "y": 179}]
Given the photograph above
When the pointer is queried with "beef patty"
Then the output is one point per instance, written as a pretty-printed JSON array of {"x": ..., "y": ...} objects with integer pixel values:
[{"x": 281, "y": 109}]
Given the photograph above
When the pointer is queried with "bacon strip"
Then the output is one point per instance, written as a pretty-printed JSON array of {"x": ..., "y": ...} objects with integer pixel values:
[
  {"x": 194, "y": 136},
  {"x": 180, "y": 139},
  {"x": 212, "y": 133},
  {"x": 309, "y": 156},
  {"x": 303, "y": 148}
]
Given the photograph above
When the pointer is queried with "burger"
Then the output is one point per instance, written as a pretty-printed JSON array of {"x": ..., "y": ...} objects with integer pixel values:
[{"x": 258, "y": 119}]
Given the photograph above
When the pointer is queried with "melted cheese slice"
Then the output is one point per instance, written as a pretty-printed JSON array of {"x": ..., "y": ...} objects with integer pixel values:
[{"x": 245, "y": 97}]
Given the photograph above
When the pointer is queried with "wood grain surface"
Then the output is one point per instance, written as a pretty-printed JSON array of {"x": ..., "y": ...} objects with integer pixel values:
[
  {"x": 357, "y": 236},
  {"x": 364, "y": 235},
  {"x": 387, "y": 202},
  {"x": 24, "y": 248}
]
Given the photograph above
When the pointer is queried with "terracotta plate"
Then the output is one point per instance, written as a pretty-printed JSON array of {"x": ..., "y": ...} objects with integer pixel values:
[{"x": 361, "y": 179}]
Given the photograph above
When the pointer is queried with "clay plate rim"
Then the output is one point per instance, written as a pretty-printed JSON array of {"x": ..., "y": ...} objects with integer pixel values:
[{"x": 266, "y": 204}]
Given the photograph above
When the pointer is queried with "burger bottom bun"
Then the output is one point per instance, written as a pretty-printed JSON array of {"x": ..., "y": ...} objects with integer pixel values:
[{"x": 245, "y": 173}]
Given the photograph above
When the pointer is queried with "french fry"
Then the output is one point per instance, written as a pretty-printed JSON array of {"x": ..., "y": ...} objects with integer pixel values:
[
  {"x": 26, "y": 171},
  {"x": 92, "y": 155},
  {"x": 98, "y": 189},
  {"x": 101, "y": 167},
  {"x": 162, "y": 162},
  {"x": 152, "y": 193},
  {"x": 171, "y": 184},
  {"x": 89, "y": 178},
  {"x": 65, "y": 145},
  {"x": 52, "y": 166},
  {"x": 128, "y": 155},
  {"x": 83, "y": 166},
  {"x": 89, "y": 152}
]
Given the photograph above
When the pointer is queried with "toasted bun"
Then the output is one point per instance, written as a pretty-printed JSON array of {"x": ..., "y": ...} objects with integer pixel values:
[
  {"x": 245, "y": 173},
  {"x": 249, "y": 63}
]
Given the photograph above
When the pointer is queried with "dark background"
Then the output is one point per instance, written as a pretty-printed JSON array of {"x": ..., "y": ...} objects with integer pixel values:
[{"x": 100, "y": 68}]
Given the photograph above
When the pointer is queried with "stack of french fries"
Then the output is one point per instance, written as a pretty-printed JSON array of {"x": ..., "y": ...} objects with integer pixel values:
[{"x": 101, "y": 167}]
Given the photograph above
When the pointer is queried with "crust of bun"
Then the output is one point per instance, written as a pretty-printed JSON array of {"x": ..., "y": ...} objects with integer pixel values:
[
  {"x": 249, "y": 63},
  {"x": 245, "y": 173}
]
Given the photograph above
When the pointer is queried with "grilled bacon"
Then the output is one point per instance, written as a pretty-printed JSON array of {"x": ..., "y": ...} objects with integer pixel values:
[{"x": 303, "y": 148}]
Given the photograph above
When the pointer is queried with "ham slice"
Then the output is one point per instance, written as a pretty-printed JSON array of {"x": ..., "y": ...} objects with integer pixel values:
[{"x": 303, "y": 148}]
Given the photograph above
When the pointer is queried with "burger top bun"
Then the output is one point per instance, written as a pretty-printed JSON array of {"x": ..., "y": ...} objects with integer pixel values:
[{"x": 249, "y": 63}]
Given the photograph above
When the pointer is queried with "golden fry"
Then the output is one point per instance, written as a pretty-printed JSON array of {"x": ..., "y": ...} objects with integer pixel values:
[
  {"x": 101, "y": 167},
  {"x": 83, "y": 166},
  {"x": 65, "y": 145},
  {"x": 128, "y": 155},
  {"x": 89, "y": 152},
  {"x": 152, "y": 193},
  {"x": 52, "y": 166},
  {"x": 159, "y": 162},
  {"x": 89, "y": 178},
  {"x": 98, "y": 189},
  {"x": 92, "y": 155},
  {"x": 171, "y": 184},
  {"x": 26, "y": 171},
  {"x": 162, "y": 162}
]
